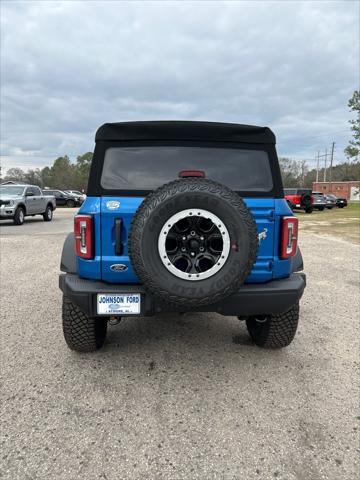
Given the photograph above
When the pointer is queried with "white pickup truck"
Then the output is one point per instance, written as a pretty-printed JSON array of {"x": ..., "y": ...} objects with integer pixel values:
[{"x": 19, "y": 201}]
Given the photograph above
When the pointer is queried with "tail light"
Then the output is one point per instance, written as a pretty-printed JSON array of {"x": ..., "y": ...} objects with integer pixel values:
[
  {"x": 83, "y": 229},
  {"x": 191, "y": 173},
  {"x": 289, "y": 234}
]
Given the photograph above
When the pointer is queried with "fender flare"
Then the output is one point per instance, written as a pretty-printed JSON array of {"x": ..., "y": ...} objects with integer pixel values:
[
  {"x": 68, "y": 258},
  {"x": 21, "y": 205}
]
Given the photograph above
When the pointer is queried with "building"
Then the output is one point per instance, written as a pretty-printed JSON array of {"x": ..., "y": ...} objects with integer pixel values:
[{"x": 349, "y": 190}]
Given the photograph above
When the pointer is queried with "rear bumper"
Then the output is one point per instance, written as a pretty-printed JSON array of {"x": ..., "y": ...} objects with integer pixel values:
[{"x": 273, "y": 297}]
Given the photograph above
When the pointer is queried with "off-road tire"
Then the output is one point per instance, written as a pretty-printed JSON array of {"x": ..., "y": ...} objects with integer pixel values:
[
  {"x": 274, "y": 331},
  {"x": 46, "y": 216},
  {"x": 168, "y": 200},
  {"x": 19, "y": 216},
  {"x": 82, "y": 333},
  {"x": 70, "y": 203},
  {"x": 309, "y": 210},
  {"x": 306, "y": 201}
]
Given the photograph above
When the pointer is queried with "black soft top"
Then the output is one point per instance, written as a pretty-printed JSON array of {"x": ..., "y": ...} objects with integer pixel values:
[{"x": 185, "y": 130}]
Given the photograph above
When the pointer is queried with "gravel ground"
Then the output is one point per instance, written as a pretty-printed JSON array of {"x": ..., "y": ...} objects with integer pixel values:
[{"x": 176, "y": 397}]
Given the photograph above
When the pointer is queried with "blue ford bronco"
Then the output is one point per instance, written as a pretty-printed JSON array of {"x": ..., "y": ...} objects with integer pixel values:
[{"x": 183, "y": 216}]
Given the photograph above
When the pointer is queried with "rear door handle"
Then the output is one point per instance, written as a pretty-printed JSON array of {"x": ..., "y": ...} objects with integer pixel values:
[{"x": 118, "y": 244}]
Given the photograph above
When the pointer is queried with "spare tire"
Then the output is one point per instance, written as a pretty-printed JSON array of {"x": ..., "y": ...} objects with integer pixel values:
[
  {"x": 306, "y": 200},
  {"x": 193, "y": 242}
]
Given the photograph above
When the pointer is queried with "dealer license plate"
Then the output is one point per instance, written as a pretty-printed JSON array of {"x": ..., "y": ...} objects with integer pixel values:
[{"x": 125, "y": 304}]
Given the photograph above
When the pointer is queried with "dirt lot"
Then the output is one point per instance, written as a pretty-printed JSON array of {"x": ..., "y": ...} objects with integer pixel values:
[{"x": 177, "y": 397}]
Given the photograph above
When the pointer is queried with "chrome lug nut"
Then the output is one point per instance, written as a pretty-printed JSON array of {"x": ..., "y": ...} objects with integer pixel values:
[
  {"x": 183, "y": 249},
  {"x": 192, "y": 254},
  {"x": 184, "y": 238},
  {"x": 192, "y": 233},
  {"x": 201, "y": 249}
]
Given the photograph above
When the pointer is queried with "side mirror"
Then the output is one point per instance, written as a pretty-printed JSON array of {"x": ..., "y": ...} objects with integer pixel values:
[{"x": 29, "y": 194}]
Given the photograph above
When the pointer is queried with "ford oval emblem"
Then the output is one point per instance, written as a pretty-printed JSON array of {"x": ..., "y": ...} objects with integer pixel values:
[
  {"x": 115, "y": 306},
  {"x": 118, "y": 267},
  {"x": 113, "y": 205}
]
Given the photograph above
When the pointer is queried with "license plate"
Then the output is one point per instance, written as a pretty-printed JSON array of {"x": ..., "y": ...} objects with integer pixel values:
[{"x": 124, "y": 304}]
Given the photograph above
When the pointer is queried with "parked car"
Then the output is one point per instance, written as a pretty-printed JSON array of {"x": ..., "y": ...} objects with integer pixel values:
[
  {"x": 20, "y": 201},
  {"x": 330, "y": 202},
  {"x": 183, "y": 216},
  {"x": 339, "y": 202},
  {"x": 64, "y": 199},
  {"x": 299, "y": 199},
  {"x": 319, "y": 202},
  {"x": 76, "y": 193}
]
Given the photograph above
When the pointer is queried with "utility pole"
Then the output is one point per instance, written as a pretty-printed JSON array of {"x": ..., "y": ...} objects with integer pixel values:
[
  {"x": 325, "y": 164},
  {"x": 331, "y": 164},
  {"x": 317, "y": 166}
]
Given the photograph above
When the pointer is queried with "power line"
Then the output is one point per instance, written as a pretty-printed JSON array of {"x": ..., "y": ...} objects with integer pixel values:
[{"x": 312, "y": 137}]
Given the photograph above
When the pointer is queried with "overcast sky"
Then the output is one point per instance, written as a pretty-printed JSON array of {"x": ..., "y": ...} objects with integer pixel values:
[{"x": 67, "y": 67}]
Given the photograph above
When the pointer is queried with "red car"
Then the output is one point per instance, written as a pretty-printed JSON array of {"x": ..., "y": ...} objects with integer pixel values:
[{"x": 299, "y": 199}]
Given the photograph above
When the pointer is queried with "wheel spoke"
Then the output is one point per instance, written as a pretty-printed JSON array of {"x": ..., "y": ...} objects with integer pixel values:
[
  {"x": 182, "y": 226},
  {"x": 215, "y": 244},
  {"x": 172, "y": 244}
]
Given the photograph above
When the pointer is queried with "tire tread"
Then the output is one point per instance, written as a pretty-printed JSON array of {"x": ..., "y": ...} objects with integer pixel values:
[
  {"x": 82, "y": 333},
  {"x": 278, "y": 331}
]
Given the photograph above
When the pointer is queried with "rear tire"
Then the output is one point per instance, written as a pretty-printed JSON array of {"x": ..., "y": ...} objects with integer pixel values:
[
  {"x": 70, "y": 203},
  {"x": 321, "y": 209},
  {"x": 308, "y": 210},
  {"x": 48, "y": 214},
  {"x": 19, "y": 216},
  {"x": 82, "y": 333},
  {"x": 274, "y": 331}
]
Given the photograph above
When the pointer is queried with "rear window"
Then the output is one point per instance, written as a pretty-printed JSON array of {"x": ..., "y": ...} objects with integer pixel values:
[{"x": 149, "y": 167}]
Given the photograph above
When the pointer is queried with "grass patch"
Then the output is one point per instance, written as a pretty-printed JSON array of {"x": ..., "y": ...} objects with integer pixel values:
[{"x": 339, "y": 222}]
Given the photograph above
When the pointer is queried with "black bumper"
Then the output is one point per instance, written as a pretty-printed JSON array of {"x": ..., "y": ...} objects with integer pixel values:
[{"x": 273, "y": 297}]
